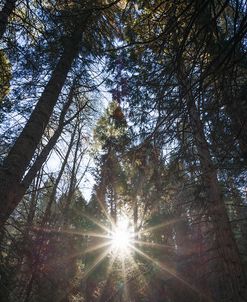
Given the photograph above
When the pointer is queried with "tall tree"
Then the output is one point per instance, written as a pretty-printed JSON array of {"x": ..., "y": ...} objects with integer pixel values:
[
  {"x": 176, "y": 83},
  {"x": 21, "y": 153}
]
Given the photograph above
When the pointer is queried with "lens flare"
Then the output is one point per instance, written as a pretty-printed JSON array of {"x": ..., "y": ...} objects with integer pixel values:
[{"x": 121, "y": 237}]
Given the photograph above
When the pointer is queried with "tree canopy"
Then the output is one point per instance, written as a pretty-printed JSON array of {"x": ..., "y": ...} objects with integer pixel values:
[{"x": 123, "y": 153}]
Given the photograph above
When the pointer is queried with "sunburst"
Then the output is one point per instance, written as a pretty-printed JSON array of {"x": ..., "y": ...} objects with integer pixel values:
[
  {"x": 121, "y": 237},
  {"x": 120, "y": 243}
]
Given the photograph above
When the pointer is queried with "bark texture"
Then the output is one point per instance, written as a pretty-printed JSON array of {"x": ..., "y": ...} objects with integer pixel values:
[{"x": 20, "y": 155}]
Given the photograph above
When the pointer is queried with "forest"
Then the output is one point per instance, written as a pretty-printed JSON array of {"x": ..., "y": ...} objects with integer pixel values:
[{"x": 123, "y": 150}]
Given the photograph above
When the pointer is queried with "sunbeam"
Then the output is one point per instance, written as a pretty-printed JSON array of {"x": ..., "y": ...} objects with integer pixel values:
[
  {"x": 161, "y": 225},
  {"x": 108, "y": 273},
  {"x": 95, "y": 222},
  {"x": 164, "y": 267},
  {"x": 99, "y": 259},
  {"x": 125, "y": 283},
  {"x": 121, "y": 243},
  {"x": 107, "y": 215},
  {"x": 72, "y": 232},
  {"x": 160, "y": 246},
  {"x": 136, "y": 267}
]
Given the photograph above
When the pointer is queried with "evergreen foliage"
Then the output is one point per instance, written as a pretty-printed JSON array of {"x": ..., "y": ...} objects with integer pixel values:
[{"x": 123, "y": 128}]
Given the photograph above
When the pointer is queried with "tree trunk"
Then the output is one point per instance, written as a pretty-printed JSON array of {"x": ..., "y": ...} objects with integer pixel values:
[
  {"x": 20, "y": 155},
  {"x": 73, "y": 176},
  {"x": 21, "y": 188},
  {"x": 54, "y": 189},
  {"x": 5, "y": 13},
  {"x": 228, "y": 253}
]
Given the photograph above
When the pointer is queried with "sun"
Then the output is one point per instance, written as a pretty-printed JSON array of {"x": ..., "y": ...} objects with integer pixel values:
[{"x": 121, "y": 237}]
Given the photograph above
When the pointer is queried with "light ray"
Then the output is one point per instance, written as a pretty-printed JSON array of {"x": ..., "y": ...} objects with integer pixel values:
[
  {"x": 160, "y": 245},
  {"x": 125, "y": 283},
  {"x": 84, "y": 252},
  {"x": 96, "y": 222},
  {"x": 171, "y": 272},
  {"x": 138, "y": 269},
  {"x": 107, "y": 215},
  {"x": 158, "y": 226},
  {"x": 108, "y": 272},
  {"x": 109, "y": 269},
  {"x": 141, "y": 274},
  {"x": 99, "y": 259},
  {"x": 155, "y": 245},
  {"x": 71, "y": 232},
  {"x": 96, "y": 247}
]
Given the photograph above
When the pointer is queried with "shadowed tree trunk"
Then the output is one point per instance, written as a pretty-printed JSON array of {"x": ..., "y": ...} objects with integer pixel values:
[
  {"x": 21, "y": 189},
  {"x": 5, "y": 13},
  {"x": 228, "y": 253},
  {"x": 20, "y": 155}
]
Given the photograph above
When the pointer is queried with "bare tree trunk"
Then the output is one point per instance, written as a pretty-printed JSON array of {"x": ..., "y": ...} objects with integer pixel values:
[
  {"x": 54, "y": 189},
  {"x": 227, "y": 248},
  {"x": 73, "y": 176},
  {"x": 44, "y": 154},
  {"x": 5, "y": 13},
  {"x": 20, "y": 155}
]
